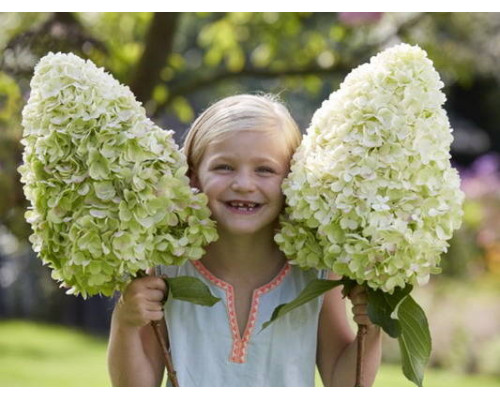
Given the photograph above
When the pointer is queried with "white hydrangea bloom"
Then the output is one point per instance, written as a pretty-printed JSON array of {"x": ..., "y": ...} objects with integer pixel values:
[
  {"x": 108, "y": 187},
  {"x": 371, "y": 194}
]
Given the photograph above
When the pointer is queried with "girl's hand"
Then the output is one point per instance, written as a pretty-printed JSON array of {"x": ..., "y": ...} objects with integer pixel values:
[
  {"x": 141, "y": 302},
  {"x": 359, "y": 305}
]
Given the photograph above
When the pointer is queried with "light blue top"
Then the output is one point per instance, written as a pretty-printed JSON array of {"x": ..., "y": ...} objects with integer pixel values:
[{"x": 206, "y": 346}]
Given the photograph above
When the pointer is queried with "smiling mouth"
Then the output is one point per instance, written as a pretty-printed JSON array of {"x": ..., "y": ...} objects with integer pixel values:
[{"x": 243, "y": 206}]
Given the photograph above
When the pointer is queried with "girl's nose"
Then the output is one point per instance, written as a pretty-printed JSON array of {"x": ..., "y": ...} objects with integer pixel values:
[{"x": 243, "y": 182}]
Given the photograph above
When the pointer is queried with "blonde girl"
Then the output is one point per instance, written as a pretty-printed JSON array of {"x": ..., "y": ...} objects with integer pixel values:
[{"x": 239, "y": 152}]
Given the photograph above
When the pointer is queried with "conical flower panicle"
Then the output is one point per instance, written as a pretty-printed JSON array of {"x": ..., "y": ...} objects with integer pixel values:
[
  {"x": 108, "y": 188},
  {"x": 371, "y": 194}
]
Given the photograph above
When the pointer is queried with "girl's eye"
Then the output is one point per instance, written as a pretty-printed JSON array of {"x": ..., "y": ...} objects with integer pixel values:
[
  {"x": 265, "y": 170},
  {"x": 223, "y": 167}
]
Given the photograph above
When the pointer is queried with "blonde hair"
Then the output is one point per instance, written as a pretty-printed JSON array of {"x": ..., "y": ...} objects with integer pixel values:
[{"x": 239, "y": 114}]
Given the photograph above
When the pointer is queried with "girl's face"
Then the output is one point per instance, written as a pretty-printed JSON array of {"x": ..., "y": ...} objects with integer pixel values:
[{"x": 242, "y": 177}]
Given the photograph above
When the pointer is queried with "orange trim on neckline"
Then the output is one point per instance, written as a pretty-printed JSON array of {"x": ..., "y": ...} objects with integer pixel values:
[{"x": 240, "y": 344}]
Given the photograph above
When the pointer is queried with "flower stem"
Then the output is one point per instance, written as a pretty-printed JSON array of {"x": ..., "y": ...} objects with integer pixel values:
[
  {"x": 172, "y": 374},
  {"x": 360, "y": 355}
]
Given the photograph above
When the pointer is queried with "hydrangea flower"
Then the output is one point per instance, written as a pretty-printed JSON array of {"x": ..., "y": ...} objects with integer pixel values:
[
  {"x": 108, "y": 188},
  {"x": 371, "y": 194}
]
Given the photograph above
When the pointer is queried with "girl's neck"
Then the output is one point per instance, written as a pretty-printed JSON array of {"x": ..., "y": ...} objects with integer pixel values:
[{"x": 252, "y": 259}]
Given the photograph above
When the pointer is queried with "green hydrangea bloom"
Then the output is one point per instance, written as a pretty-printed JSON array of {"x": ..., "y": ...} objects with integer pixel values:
[
  {"x": 108, "y": 188},
  {"x": 371, "y": 194}
]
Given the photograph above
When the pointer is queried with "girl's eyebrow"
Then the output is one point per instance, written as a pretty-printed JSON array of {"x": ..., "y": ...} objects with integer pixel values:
[
  {"x": 221, "y": 157},
  {"x": 266, "y": 160},
  {"x": 257, "y": 160}
]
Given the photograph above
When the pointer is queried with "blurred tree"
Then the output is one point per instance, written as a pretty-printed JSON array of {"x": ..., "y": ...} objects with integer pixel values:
[
  {"x": 12, "y": 201},
  {"x": 166, "y": 57}
]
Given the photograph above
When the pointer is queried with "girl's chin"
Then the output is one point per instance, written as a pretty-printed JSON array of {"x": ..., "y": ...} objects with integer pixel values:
[
  {"x": 245, "y": 222},
  {"x": 246, "y": 229}
]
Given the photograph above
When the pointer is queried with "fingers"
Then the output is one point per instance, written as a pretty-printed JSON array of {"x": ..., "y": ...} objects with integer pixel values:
[
  {"x": 153, "y": 306},
  {"x": 137, "y": 312},
  {"x": 360, "y": 315},
  {"x": 142, "y": 301},
  {"x": 154, "y": 316},
  {"x": 147, "y": 284},
  {"x": 359, "y": 302},
  {"x": 154, "y": 295},
  {"x": 357, "y": 293},
  {"x": 154, "y": 282}
]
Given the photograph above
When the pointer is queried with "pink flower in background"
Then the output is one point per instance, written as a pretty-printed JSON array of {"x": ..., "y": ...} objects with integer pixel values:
[
  {"x": 360, "y": 18},
  {"x": 481, "y": 184},
  {"x": 483, "y": 177}
]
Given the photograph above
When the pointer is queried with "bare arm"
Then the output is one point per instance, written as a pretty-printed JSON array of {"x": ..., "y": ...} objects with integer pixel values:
[
  {"x": 134, "y": 355},
  {"x": 337, "y": 344}
]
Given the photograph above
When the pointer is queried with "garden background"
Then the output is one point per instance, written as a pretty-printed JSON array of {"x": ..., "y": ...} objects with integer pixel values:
[{"x": 179, "y": 63}]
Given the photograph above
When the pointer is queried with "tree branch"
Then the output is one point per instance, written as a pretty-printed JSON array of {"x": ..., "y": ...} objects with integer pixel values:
[
  {"x": 159, "y": 42},
  {"x": 185, "y": 88},
  {"x": 62, "y": 31}
]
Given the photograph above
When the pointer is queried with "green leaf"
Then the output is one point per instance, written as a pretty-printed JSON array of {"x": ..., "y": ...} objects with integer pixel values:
[
  {"x": 402, "y": 318},
  {"x": 188, "y": 288},
  {"x": 381, "y": 307},
  {"x": 314, "y": 289},
  {"x": 415, "y": 340}
]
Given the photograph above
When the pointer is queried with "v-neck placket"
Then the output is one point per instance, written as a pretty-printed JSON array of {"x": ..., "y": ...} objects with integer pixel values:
[{"x": 240, "y": 344}]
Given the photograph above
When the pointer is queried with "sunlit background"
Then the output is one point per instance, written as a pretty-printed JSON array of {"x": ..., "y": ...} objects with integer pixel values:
[{"x": 179, "y": 63}]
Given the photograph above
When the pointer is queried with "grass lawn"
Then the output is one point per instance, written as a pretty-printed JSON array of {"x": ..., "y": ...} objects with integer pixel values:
[
  {"x": 392, "y": 376},
  {"x": 34, "y": 354}
]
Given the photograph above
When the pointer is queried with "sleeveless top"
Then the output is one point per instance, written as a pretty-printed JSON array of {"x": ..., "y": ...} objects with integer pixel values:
[{"x": 205, "y": 342}]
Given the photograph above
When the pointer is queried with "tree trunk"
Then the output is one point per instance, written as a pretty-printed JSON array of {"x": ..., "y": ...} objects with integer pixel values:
[{"x": 158, "y": 46}]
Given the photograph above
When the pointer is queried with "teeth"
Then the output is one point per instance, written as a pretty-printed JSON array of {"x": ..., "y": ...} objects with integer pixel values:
[{"x": 245, "y": 206}]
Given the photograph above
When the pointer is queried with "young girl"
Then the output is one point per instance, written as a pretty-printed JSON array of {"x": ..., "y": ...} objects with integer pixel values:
[{"x": 238, "y": 153}]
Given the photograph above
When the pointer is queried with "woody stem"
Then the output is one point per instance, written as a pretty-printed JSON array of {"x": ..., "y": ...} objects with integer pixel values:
[
  {"x": 172, "y": 374},
  {"x": 360, "y": 355}
]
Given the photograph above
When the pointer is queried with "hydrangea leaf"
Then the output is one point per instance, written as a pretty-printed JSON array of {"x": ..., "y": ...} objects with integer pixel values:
[
  {"x": 415, "y": 341},
  {"x": 315, "y": 288},
  {"x": 381, "y": 307},
  {"x": 191, "y": 289}
]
